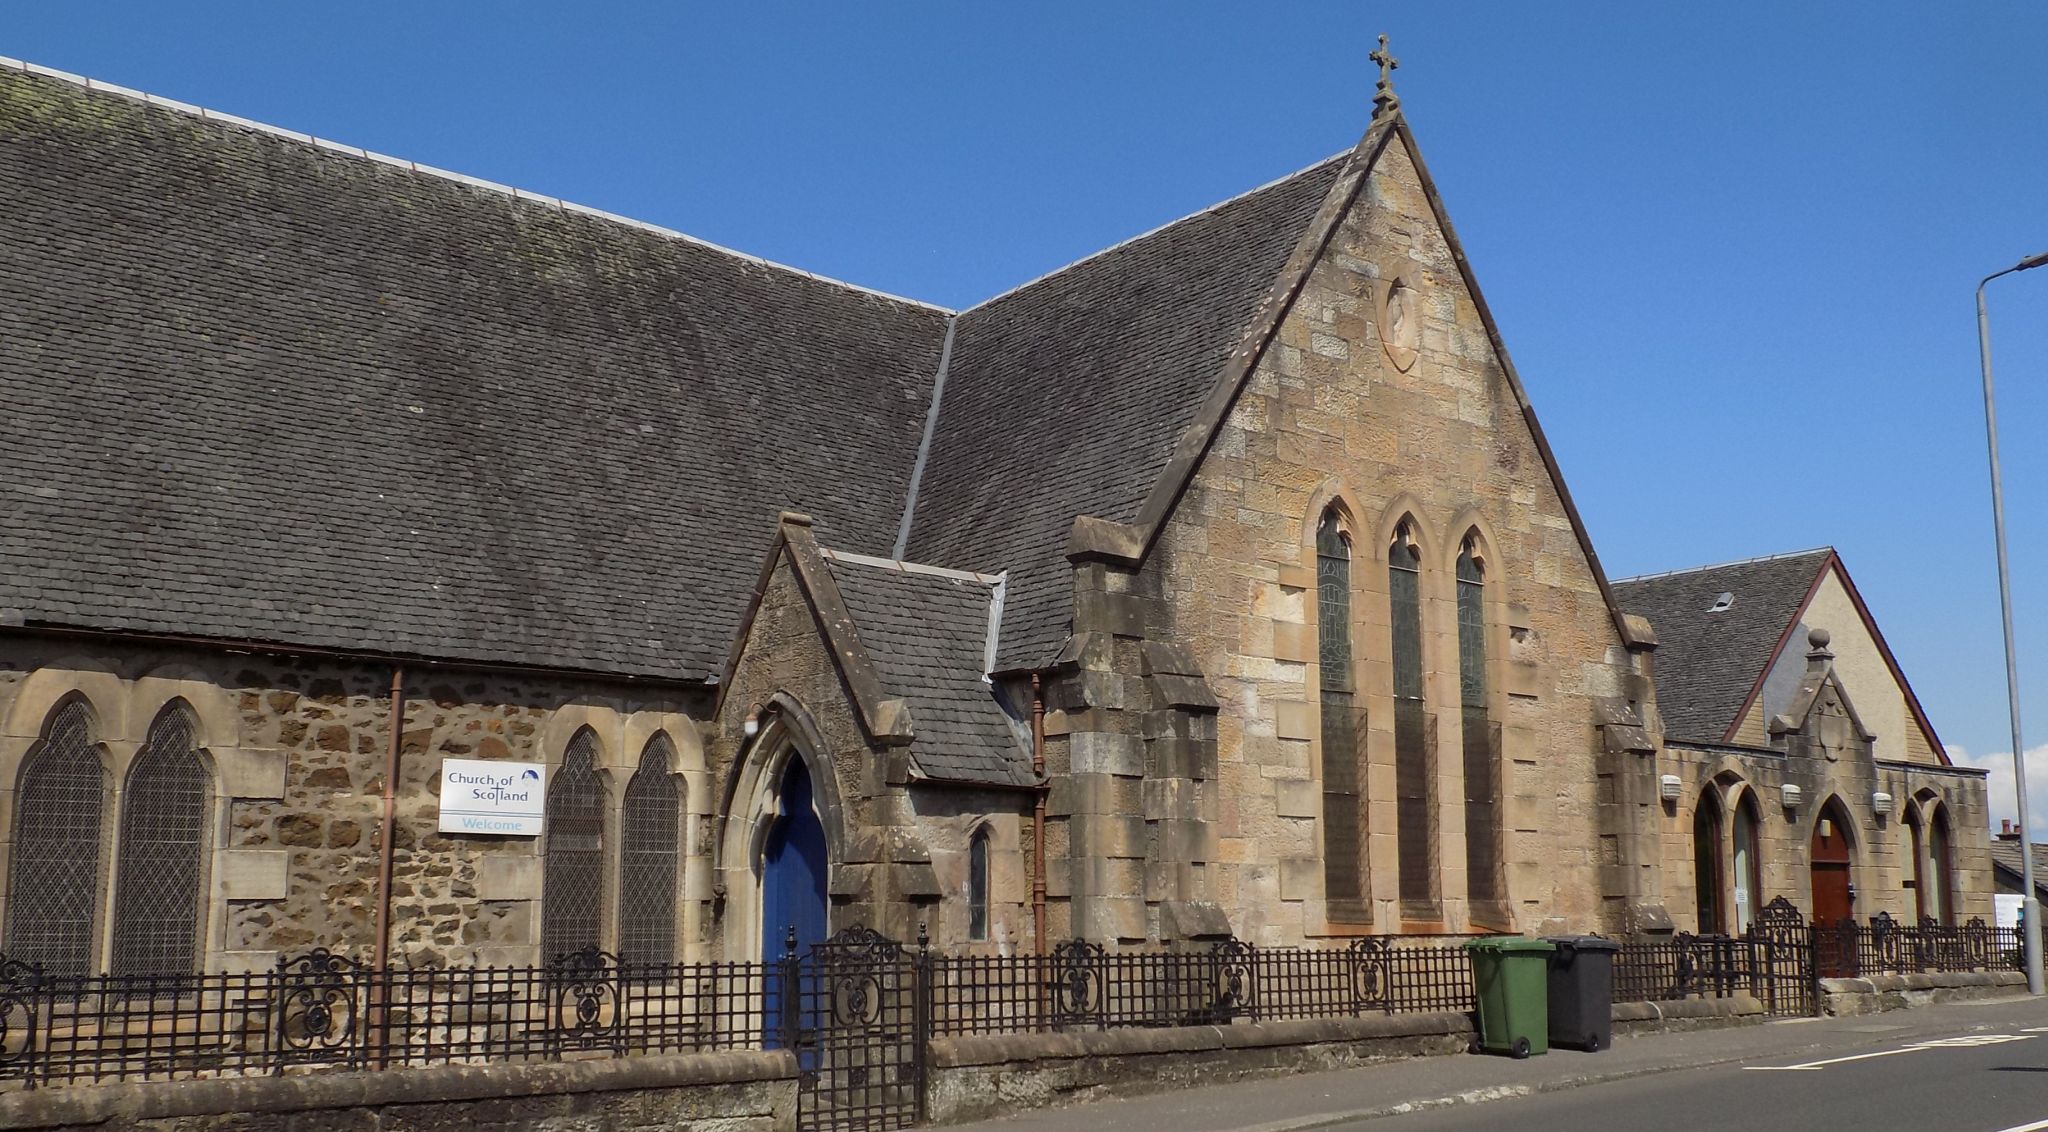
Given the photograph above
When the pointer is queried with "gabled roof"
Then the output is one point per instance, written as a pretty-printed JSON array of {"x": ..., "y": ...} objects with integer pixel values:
[
  {"x": 1066, "y": 396},
  {"x": 261, "y": 388},
  {"x": 929, "y": 633},
  {"x": 912, "y": 644},
  {"x": 1709, "y": 662}
]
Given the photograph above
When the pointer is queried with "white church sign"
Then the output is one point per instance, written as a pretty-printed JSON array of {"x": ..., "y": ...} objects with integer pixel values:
[{"x": 508, "y": 799}]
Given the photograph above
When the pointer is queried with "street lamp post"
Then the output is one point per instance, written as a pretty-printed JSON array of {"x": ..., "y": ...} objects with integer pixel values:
[{"x": 2031, "y": 916}]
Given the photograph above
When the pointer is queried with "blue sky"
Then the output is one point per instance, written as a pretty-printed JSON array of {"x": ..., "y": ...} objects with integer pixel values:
[{"x": 1731, "y": 246}]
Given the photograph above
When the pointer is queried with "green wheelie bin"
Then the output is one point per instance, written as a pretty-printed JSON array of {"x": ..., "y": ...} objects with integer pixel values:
[{"x": 1511, "y": 984}]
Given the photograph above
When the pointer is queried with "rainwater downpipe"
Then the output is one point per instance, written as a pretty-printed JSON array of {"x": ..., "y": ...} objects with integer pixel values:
[
  {"x": 386, "y": 840},
  {"x": 1038, "y": 815}
]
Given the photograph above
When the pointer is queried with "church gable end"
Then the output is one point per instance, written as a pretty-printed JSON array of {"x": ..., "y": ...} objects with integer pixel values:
[{"x": 1373, "y": 396}]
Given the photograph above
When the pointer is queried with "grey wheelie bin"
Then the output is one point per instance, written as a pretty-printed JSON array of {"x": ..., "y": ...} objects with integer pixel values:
[{"x": 1582, "y": 992}]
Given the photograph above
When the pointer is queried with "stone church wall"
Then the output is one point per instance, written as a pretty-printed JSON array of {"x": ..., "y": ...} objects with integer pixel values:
[
  {"x": 1880, "y": 846},
  {"x": 1226, "y": 813},
  {"x": 298, "y": 747}
]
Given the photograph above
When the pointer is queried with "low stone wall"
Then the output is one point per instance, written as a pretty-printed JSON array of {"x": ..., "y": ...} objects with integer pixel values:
[
  {"x": 1686, "y": 1014},
  {"x": 1879, "y": 993},
  {"x": 974, "y": 1078},
  {"x": 725, "y": 1092}
]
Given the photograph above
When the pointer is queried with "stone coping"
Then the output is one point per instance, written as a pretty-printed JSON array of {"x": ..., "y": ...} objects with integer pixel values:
[
  {"x": 155, "y": 1100},
  {"x": 1688, "y": 1009},
  {"x": 998, "y": 1049},
  {"x": 1942, "y": 980}
]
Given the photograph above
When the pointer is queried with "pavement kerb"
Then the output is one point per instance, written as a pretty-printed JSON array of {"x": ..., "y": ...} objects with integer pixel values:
[{"x": 1505, "y": 1092}]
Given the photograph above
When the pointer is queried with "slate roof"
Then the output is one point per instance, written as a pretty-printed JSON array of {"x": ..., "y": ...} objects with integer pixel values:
[
  {"x": 926, "y": 633},
  {"x": 1066, "y": 396},
  {"x": 2005, "y": 858},
  {"x": 259, "y": 389},
  {"x": 266, "y": 388},
  {"x": 1707, "y": 662}
]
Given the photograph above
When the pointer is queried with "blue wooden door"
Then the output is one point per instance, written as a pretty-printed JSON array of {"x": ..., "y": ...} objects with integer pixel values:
[{"x": 793, "y": 869}]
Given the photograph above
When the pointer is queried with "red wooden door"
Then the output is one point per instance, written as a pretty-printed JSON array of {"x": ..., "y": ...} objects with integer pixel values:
[{"x": 1833, "y": 900}]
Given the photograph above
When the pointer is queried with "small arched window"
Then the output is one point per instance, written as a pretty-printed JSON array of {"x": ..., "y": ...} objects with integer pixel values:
[
  {"x": 1939, "y": 869},
  {"x": 977, "y": 884},
  {"x": 53, "y": 870},
  {"x": 1344, "y": 853},
  {"x": 1414, "y": 816},
  {"x": 572, "y": 892},
  {"x": 1748, "y": 872},
  {"x": 649, "y": 843},
  {"x": 1481, "y": 735},
  {"x": 162, "y": 851},
  {"x": 1706, "y": 865}
]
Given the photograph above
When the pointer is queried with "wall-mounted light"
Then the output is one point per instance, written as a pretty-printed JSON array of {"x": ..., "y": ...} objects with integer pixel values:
[
  {"x": 1669, "y": 787},
  {"x": 752, "y": 726},
  {"x": 1789, "y": 795},
  {"x": 1881, "y": 804}
]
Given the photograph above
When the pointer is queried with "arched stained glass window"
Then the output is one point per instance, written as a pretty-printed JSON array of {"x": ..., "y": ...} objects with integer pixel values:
[
  {"x": 1414, "y": 813},
  {"x": 162, "y": 851},
  {"x": 1344, "y": 850},
  {"x": 572, "y": 896},
  {"x": 1481, "y": 736},
  {"x": 650, "y": 842},
  {"x": 53, "y": 870},
  {"x": 977, "y": 884}
]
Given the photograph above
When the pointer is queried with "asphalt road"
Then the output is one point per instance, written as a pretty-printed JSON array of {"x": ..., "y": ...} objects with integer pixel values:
[{"x": 1990, "y": 1081}]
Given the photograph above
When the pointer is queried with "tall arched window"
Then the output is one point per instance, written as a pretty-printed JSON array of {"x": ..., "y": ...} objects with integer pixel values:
[
  {"x": 650, "y": 838},
  {"x": 1749, "y": 873},
  {"x": 162, "y": 851},
  {"x": 1481, "y": 736},
  {"x": 1916, "y": 837},
  {"x": 977, "y": 884},
  {"x": 53, "y": 871},
  {"x": 1344, "y": 853},
  {"x": 1706, "y": 865},
  {"x": 1414, "y": 824},
  {"x": 572, "y": 893},
  {"x": 1939, "y": 869}
]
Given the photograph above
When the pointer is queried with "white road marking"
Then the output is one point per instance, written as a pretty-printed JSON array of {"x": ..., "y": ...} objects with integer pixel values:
[
  {"x": 2036, "y": 1126},
  {"x": 1968, "y": 1041},
  {"x": 2035, "y": 1030}
]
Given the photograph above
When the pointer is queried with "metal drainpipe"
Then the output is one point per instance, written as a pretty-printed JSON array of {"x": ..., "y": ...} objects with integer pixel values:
[
  {"x": 386, "y": 848},
  {"x": 1038, "y": 816}
]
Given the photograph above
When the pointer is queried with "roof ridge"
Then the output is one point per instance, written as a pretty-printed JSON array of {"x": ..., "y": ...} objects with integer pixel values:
[
  {"x": 1725, "y": 565},
  {"x": 331, "y": 146},
  {"x": 902, "y": 566},
  {"x": 1156, "y": 229}
]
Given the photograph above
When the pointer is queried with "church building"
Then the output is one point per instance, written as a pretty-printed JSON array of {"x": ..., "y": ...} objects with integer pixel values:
[{"x": 1220, "y": 583}]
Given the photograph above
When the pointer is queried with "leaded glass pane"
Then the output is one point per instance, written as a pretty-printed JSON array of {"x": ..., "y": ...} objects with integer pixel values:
[
  {"x": 1333, "y": 605},
  {"x": 572, "y": 899},
  {"x": 1471, "y": 632},
  {"x": 1414, "y": 732},
  {"x": 1344, "y": 853},
  {"x": 1481, "y": 738},
  {"x": 649, "y": 848},
  {"x": 1482, "y": 806},
  {"x": 163, "y": 831},
  {"x": 54, "y": 869},
  {"x": 977, "y": 886},
  {"x": 1414, "y": 806}
]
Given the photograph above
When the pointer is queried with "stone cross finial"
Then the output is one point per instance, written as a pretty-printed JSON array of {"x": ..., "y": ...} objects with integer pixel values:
[{"x": 1384, "y": 99}]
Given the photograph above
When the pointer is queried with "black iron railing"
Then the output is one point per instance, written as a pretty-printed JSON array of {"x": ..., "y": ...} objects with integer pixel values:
[
  {"x": 323, "y": 1010},
  {"x": 1884, "y": 946},
  {"x": 1083, "y": 986}
]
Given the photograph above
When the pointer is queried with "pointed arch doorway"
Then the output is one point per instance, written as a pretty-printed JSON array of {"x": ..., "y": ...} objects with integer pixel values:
[
  {"x": 793, "y": 868},
  {"x": 1834, "y": 893}
]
